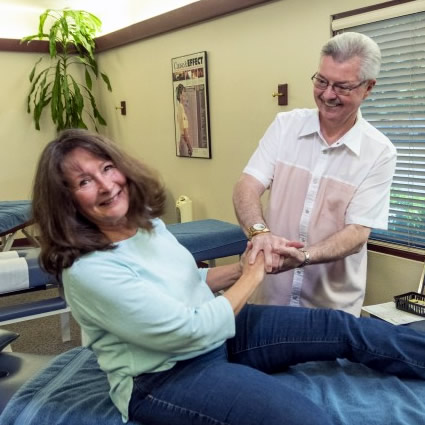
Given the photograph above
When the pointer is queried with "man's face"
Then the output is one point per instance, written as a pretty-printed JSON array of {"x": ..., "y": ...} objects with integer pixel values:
[{"x": 336, "y": 109}]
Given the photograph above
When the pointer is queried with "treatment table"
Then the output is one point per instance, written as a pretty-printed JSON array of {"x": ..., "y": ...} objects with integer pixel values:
[
  {"x": 207, "y": 240},
  {"x": 71, "y": 389},
  {"x": 14, "y": 216},
  {"x": 20, "y": 271}
]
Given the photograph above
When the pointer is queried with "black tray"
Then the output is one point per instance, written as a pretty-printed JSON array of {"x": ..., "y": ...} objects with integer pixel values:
[{"x": 412, "y": 302}]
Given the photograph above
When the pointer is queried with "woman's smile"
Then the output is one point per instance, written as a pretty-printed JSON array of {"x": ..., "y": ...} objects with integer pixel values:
[{"x": 99, "y": 189}]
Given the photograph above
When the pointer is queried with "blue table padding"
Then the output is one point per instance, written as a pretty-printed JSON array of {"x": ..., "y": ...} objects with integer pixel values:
[
  {"x": 37, "y": 277},
  {"x": 73, "y": 390},
  {"x": 29, "y": 309},
  {"x": 14, "y": 214},
  {"x": 205, "y": 239},
  {"x": 210, "y": 239}
]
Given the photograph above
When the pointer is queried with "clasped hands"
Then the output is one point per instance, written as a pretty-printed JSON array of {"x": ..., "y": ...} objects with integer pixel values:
[{"x": 280, "y": 254}]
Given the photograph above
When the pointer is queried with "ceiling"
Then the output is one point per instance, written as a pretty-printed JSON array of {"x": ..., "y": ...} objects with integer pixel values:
[{"x": 19, "y": 18}]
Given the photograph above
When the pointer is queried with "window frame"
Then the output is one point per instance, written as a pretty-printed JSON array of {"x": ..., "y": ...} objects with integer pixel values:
[{"x": 397, "y": 6}]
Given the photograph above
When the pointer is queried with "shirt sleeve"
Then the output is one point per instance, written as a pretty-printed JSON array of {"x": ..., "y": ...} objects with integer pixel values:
[
  {"x": 370, "y": 204},
  {"x": 203, "y": 273},
  {"x": 134, "y": 309},
  {"x": 263, "y": 161}
]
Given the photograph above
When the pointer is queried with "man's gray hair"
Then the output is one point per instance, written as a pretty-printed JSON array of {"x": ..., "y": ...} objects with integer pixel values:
[{"x": 347, "y": 45}]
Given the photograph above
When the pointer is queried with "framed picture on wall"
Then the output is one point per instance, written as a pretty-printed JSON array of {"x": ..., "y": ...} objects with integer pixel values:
[{"x": 191, "y": 114}]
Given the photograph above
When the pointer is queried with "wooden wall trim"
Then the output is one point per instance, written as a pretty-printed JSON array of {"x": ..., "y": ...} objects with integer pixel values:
[
  {"x": 369, "y": 8},
  {"x": 397, "y": 251},
  {"x": 182, "y": 17},
  {"x": 14, "y": 45},
  {"x": 175, "y": 19}
]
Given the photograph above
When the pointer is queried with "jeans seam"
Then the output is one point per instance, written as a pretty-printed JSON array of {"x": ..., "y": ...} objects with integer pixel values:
[
  {"x": 184, "y": 410},
  {"x": 376, "y": 353},
  {"x": 295, "y": 341},
  {"x": 354, "y": 346}
]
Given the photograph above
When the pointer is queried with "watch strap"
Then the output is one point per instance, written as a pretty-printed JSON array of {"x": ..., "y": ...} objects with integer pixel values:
[
  {"x": 257, "y": 232},
  {"x": 256, "y": 229},
  {"x": 307, "y": 259}
]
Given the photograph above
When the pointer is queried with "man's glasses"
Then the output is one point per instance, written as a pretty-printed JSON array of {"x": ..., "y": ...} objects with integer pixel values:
[{"x": 339, "y": 89}]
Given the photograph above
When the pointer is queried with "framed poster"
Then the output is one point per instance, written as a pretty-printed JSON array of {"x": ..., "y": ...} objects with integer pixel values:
[{"x": 191, "y": 115}]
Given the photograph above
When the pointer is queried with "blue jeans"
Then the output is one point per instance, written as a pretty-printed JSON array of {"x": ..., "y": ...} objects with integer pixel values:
[{"x": 233, "y": 385}]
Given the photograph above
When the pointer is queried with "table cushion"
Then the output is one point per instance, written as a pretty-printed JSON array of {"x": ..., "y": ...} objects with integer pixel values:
[
  {"x": 13, "y": 215},
  {"x": 210, "y": 239}
]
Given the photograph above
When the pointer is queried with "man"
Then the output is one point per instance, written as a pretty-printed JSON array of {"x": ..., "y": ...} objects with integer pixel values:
[{"x": 329, "y": 173}]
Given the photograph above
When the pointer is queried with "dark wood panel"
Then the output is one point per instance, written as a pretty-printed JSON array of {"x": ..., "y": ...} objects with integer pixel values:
[
  {"x": 13, "y": 45},
  {"x": 401, "y": 251},
  {"x": 369, "y": 8},
  {"x": 175, "y": 19},
  {"x": 178, "y": 18}
]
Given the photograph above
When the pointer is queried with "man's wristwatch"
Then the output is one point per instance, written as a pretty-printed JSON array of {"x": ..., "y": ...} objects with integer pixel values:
[
  {"x": 307, "y": 260},
  {"x": 256, "y": 229}
]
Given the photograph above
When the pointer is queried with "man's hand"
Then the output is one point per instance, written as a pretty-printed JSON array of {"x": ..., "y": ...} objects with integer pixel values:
[
  {"x": 271, "y": 246},
  {"x": 290, "y": 258}
]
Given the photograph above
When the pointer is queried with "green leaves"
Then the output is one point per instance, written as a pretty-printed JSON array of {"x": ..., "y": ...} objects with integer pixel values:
[
  {"x": 71, "y": 45},
  {"x": 106, "y": 80}
]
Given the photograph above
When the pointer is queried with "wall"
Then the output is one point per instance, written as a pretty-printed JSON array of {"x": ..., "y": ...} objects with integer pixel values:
[
  {"x": 20, "y": 142},
  {"x": 388, "y": 275},
  {"x": 249, "y": 54}
]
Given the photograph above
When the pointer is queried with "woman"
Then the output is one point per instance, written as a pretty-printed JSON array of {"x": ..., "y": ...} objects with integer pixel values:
[
  {"x": 173, "y": 352},
  {"x": 185, "y": 147}
]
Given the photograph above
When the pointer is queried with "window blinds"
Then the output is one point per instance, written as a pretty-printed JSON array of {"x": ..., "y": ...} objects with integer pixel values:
[{"x": 396, "y": 107}]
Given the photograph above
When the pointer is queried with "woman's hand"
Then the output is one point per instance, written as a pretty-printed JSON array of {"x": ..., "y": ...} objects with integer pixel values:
[
  {"x": 251, "y": 277},
  {"x": 256, "y": 267}
]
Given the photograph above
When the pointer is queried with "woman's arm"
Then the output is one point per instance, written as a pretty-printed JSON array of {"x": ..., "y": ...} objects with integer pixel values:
[
  {"x": 221, "y": 277},
  {"x": 244, "y": 287},
  {"x": 241, "y": 278},
  {"x": 136, "y": 310}
]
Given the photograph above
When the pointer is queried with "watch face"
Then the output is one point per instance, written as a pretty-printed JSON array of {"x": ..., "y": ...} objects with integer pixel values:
[{"x": 258, "y": 226}]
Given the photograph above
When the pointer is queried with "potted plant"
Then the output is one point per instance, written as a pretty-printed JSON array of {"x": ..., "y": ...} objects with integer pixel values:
[{"x": 71, "y": 48}]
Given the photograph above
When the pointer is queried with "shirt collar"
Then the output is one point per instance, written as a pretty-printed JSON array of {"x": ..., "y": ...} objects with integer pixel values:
[{"x": 351, "y": 139}]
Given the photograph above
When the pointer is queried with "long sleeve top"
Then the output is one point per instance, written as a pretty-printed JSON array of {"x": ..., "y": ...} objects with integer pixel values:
[{"x": 143, "y": 306}]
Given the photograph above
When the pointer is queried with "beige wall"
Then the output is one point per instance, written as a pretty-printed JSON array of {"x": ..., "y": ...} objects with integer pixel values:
[
  {"x": 249, "y": 54},
  {"x": 20, "y": 142},
  {"x": 388, "y": 275}
]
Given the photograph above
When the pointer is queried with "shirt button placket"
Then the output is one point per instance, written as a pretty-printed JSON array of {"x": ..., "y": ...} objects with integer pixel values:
[{"x": 312, "y": 190}]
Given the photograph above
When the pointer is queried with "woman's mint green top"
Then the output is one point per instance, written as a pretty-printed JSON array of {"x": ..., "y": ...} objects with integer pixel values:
[{"x": 144, "y": 306}]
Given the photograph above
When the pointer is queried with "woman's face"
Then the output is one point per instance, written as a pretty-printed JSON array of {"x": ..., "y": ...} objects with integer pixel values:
[{"x": 99, "y": 189}]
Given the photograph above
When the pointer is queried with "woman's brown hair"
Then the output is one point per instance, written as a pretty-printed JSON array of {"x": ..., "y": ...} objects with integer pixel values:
[{"x": 65, "y": 234}]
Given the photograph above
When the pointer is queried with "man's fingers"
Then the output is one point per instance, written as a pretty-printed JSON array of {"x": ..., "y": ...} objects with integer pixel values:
[
  {"x": 277, "y": 262},
  {"x": 254, "y": 252},
  {"x": 295, "y": 244},
  {"x": 268, "y": 257},
  {"x": 261, "y": 243}
]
